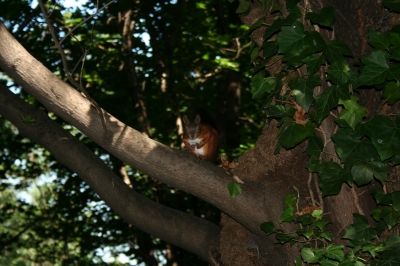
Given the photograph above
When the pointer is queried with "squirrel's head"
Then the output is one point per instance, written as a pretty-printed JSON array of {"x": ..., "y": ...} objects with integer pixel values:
[{"x": 192, "y": 127}]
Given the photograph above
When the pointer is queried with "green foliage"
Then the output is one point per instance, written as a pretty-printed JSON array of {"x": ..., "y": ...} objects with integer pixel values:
[
  {"x": 292, "y": 134},
  {"x": 28, "y": 119},
  {"x": 362, "y": 247},
  {"x": 365, "y": 148},
  {"x": 234, "y": 189},
  {"x": 326, "y": 17},
  {"x": 303, "y": 88},
  {"x": 311, "y": 229}
]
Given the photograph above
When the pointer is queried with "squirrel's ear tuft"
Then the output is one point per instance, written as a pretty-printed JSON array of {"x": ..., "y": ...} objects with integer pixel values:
[
  {"x": 198, "y": 118},
  {"x": 185, "y": 120}
]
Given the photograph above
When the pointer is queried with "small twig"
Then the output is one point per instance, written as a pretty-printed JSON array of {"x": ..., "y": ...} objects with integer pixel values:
[
  {"x": 310, "y": 189},
  {"x": 382, "y": 104},
  {"x": 332, "y": 114},
  {"x": 319, "y": 192},
  {"x": 84, "y": 21},
  {"x": 66, "y": 69},
  {"x": 79, "y": 61},
  {"x": 356, "y": 200}
]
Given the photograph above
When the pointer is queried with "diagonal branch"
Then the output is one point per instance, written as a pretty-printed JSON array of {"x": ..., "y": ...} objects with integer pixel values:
[
  {"x": 181, "y": 229},
  {"x": 175, "y": 168}
]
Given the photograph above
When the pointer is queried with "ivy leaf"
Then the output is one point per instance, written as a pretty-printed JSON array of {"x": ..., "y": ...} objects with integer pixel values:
[
  {"x": 243, "y": 7},
  {"x": 298, "y": 262},
  {"x": 281, "y": 111},
  {"x": 263, "y": 4},
  {"x": 396, "y": 200},
  {"x": 313, "y": 42},
  {"x": 393, "y": 242},
  {"x": 391, "y": 92},
  {"x": 377, "y": 68},
  {"x": 339, "y": 72},
  {"x": 304, "y": 219},
  {"x": 306, "y": 232},
  {"x": 321, "y": 224},
  {"x": 350, "y": 149},
  {"x": 334, "y": 252},
  {"x": 256, "y": 25},
  {"x": 381, "y": 197},
  {"x": 270, "y": 49},
  {"x": 363, "y": 172},
  {"x": 268, "y": 227},
  {"x": 315, "y": 146},
  {"x": 283, "y": 238},
  {"x": 329, "y": 169},
  {"x": 261, "y": 85},
  {"x": 289, "y": 199},
  {"x": 254, "y": 54},
  {"x": 314, "y": 63},
  {"x": 294, "y": 58},
  {"x": 333, "y": 185},
  {"x": 335, "y": 50},
  {"x": 354, "y": 113},
  {"x": 295, "y": 13},
  {"x": 327, "y": 100},
  {"x": 310, "y": 255},
  {"x": 234, "y": 189},
  {"x": 380, "y": 227},
  {"x": 326, "y": 17},
  {"x": 370, "y": 249},
  {"x": 276, "y": 26},
  {"x": 390, "y": 216},
  {"x": 291, "y": 38},
  {"x": 288, "y": 215},
  {"x": 344, "y": 144},
  {"x": 317, "y": 214},
  {"x": 295, "y": 134},
  {"x": 395, "y": 52},
  {"x": 394, "y": 38},
  {"x": 376, "y": 214},
  {"x": 352, "y": 256},
  {"x": 378, "y": 40},
  {"x": 303, "y": 89},
  {"x": 313, "y": 165},
  {"x": 327, "y": 235},
  {"x": 385, "y": 136},
  {"x": 351, "y": 105},
  {"x": 359, "y": 233},
  {"x": 392, "y": 5},
  {"x": 28, "y": 119},
  {"x": 332, "y": 178},
  {"x": 291, "y": 3}
]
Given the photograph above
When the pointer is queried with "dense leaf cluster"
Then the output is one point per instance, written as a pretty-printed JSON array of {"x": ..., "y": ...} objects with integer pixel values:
[{"x": 365, "y": 149}]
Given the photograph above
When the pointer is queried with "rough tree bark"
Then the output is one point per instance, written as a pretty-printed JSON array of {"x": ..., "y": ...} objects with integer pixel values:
[{"x": 353, "y": 20}]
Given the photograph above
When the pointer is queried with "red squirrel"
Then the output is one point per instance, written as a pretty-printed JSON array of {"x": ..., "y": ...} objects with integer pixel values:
[{"x": 200, "y": 139}]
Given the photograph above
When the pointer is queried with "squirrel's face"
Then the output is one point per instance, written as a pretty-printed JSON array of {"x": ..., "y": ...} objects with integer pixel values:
[
  {"x": 193, "y": 128},
  {"x": 193, "y": 131}
]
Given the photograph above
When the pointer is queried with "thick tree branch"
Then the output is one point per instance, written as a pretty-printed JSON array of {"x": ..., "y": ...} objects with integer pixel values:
[
  {"x": 184, "y": 230},
  {"x": 163, "y": 163}
]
